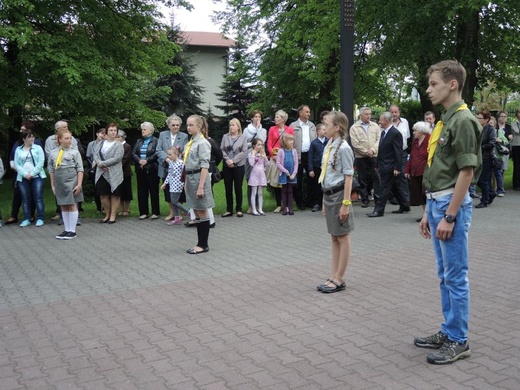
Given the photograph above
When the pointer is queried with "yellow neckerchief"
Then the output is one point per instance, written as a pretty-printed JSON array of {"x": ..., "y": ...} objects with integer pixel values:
[
  {"x": 188, "y": 147},
  {"x": 436, "y": 134},
  {"x": 59, "y": 158},
  {"x": 325, "y": 160}
]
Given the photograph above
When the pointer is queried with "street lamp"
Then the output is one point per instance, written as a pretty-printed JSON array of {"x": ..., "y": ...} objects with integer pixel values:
[{"x": 346, "y": 58}]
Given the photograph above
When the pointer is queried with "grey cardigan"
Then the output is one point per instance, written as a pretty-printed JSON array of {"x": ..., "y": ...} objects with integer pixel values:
[{"x": 112, "y": 159}]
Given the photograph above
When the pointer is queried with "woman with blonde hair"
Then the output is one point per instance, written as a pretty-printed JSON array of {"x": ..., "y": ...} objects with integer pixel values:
[
  {"x": 274, "y": 139},
  {"x": 234, "y": 153}
]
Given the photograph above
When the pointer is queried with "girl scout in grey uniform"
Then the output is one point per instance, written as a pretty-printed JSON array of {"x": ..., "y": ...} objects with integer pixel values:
[
  {"x": 66, "y": 175},
  {"x": 197, "y": 155},
  {"x": 336, "y": 181}
]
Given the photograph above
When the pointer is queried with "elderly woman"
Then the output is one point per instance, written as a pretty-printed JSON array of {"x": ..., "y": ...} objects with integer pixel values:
[
  {"x": 234, "y": 154},
  {"x": 417, "y": 163},
  {"x": 146, "y": 169},
  {"x": 252, "y": 131},
  {"x": 126, "y": 186},
  {"x": 28, "y": 161},
  {"x": 273, "y": 144},
  {"x": 109, "y": 173},
  {"x": 197, "y": 156},
  {"x": 167, "y": 139}
]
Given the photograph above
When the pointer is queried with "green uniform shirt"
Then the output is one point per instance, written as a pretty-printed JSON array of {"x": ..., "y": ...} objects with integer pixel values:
[{"x": 458, "y": 147}]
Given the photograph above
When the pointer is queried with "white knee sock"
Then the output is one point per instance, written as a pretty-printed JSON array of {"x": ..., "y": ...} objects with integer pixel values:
[
  {"x": 211, "y": 216},
  {"x": 73, "y": 219}
]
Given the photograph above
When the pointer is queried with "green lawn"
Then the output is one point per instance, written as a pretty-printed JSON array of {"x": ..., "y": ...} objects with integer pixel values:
[{"x": 90, "y": 207}]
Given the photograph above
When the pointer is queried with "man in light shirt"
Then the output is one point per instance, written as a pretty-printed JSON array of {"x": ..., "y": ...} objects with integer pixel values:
[{"x": 304, "y": 134}]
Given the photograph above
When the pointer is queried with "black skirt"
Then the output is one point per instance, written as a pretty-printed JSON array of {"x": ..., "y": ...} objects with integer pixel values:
[{"x": 103, "y": 188}]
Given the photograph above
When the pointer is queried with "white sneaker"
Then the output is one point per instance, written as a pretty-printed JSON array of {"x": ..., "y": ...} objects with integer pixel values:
[
  {"x": 144, "y": 216},
  {"x": 278, "y": 209},
  {"x": 154, "y": 216}
]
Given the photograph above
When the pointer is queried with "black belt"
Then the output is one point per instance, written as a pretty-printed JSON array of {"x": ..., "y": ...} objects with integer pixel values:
[
  {"x": 193, "y": 172},
  {"x": 333, "y": 190}
]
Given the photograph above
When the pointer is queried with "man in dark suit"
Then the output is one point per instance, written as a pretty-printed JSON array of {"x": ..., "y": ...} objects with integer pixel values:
[{"x": 390, "y": 165}]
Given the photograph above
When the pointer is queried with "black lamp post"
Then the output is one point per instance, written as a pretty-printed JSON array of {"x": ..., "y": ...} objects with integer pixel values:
[{"x": 347, "y": 59}]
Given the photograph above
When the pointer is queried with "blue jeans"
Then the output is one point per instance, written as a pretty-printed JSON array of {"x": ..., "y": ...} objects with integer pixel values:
[
  {"x": 32, "y": 191},
  {"x": 499, "y": 177},
  {"x": 452, "y": 266}
]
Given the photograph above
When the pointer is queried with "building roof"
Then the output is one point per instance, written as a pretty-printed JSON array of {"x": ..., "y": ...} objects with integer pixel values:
[{"x": 199, "y": 38}]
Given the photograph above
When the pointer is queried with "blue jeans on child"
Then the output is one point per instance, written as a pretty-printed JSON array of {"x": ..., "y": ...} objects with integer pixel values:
[{"x": 452, "y": 266}]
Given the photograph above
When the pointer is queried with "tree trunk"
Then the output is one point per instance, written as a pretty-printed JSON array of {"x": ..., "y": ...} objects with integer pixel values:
[{"x": 466, "y": 51}]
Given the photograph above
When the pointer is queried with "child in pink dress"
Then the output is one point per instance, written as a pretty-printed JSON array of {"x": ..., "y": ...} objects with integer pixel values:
[{"x": 257, "y": 180}]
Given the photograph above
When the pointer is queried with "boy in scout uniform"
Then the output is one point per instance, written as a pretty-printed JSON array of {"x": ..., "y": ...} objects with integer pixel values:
[{"x": 454, "y": 162}]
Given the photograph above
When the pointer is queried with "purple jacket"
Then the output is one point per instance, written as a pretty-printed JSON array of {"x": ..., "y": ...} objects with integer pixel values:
[{"x": 280, "y": 160}]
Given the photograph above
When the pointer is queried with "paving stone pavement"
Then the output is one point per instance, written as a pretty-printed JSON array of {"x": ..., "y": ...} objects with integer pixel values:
[{"x": 124, "y": 306}]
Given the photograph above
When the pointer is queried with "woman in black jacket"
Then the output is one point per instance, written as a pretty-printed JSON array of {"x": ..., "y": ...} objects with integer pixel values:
[
  {"x": 146, "y": 171},
  {"x": 488, "y": 145}
]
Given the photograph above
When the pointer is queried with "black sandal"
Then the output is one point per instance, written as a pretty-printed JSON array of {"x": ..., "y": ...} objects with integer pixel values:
[{"x": 337, "y": 287}]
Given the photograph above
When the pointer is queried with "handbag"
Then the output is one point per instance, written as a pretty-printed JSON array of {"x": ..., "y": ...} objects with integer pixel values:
[
  {"x": 273, "y": 174},
  {"x": 502, "y": 149},
  {"x": 497, "y": 163},
  {"x": 216, "y": 176}
]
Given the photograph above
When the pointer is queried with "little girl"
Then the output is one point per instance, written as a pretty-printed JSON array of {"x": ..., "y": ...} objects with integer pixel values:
[
  {"x": 174, "y": 180},
  {"x": 66, "y": 175},
  {"x": 287, "y": 163},
  {"x": 258, "y": 162}
]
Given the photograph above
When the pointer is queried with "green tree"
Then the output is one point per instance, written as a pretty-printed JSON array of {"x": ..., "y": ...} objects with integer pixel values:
[
  {"x": 88, "y": 61},
  {"x": 185, "y": 96},
  {"x": 298, "y": 45},
  {"x": 235, "y": 91}
]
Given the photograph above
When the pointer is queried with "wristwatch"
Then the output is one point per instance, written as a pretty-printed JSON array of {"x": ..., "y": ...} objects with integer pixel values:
[{"x": 449, "y": 218}]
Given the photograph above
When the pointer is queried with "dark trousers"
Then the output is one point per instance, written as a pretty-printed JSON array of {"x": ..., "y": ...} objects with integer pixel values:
[
  {"x": 515, "y": 153},
  {"x": 484, "y": 182},
  {"x": 233, "y": 178},
  {"x": 17, "y": 200},
  {"x": 315, "y": 193},
  {"x": 368, "y": 177},
  {"x": 400, "y": 186},
  {"x": 301, "y": 189},
  {"x": 147, "y": 184},
  {"x": 287, "y": 197}
]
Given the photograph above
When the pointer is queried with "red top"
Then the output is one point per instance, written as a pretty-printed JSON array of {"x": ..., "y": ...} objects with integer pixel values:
[
  {"x": 418, "y": 157},
  {"x": 274, "y": 138}
]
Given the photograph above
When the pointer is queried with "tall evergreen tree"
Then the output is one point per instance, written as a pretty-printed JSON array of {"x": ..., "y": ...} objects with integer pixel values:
[
  {"x": 236, "y": 88},
  {"x": 186, "y": 92}
]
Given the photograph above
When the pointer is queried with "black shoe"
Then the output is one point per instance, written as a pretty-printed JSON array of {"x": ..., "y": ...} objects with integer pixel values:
[
  {"x": 11, "y": 220},
  {"x": 364, "y": 204},
  {"x": 418, "y": 219},
  {"x": 481, "y": 205},
  {"x": 190, "y": 224},
  {"x": 393, "y": 201},
  {"x": 62, "y": 235},
  {"x": 374, "y": 214},
  {"x": 400, "y": 210},
  {"x": 450, "y": 352},
  {"x": 434, "y": 341},
  {"x": 69, "y": 236},
  {"x": 492, "y": 198},
  {"x": 212, "y": 225}
]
